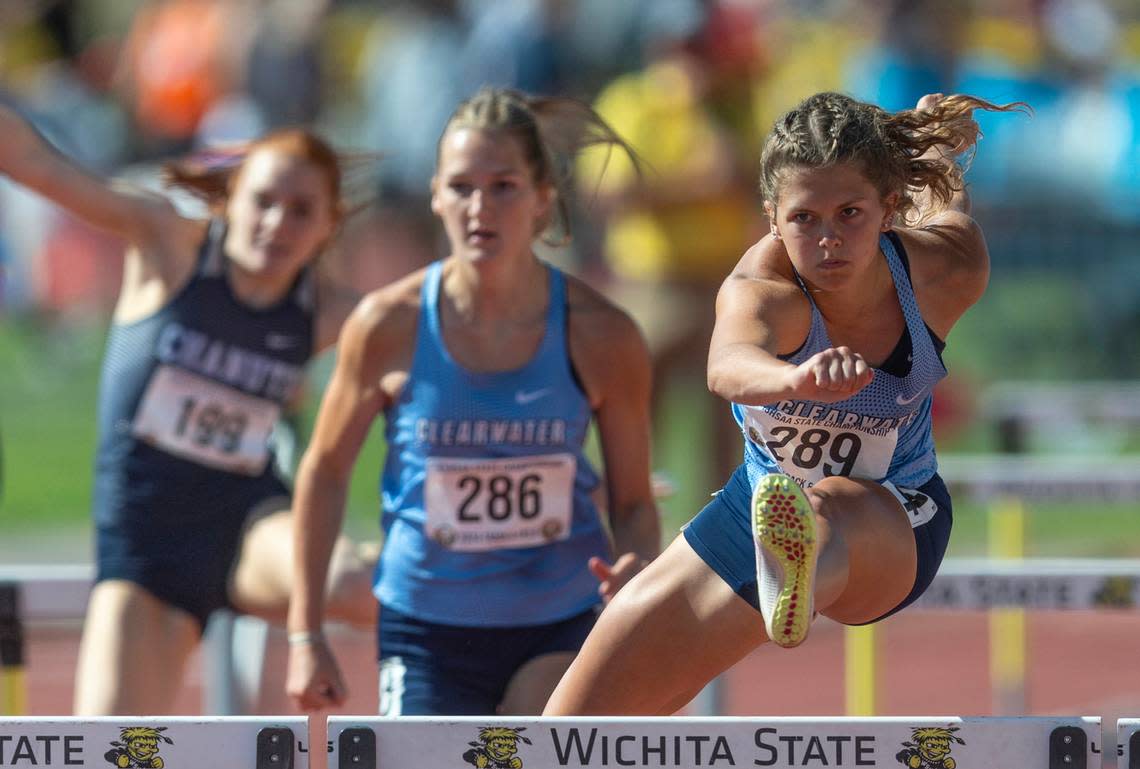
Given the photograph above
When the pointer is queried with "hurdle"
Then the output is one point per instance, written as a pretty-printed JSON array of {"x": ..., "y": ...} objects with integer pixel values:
[
  {"x": 1128, "y": 743},
  {"x": 1029, "y": 402},
  {"x": 1005, "y": 483},
  {"x": 233, "y": 647},
  {"x": 983, "y": 584},
  {"x": 235, "y": 742},
  {"x": 542, "y": 743}
]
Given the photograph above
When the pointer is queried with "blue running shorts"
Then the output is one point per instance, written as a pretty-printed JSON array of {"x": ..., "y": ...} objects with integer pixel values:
[{"x": 721, "y": 534}]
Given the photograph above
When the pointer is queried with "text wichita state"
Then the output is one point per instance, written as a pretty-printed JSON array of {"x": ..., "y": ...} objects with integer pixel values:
[{"x": 576, "y": 746}]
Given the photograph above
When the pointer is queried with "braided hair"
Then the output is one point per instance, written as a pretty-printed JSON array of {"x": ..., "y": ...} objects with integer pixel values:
[{"x": 893, "y": 149}]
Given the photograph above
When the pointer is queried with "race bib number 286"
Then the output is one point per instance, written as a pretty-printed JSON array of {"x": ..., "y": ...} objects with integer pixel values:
[{"x": 489, "y": 504}]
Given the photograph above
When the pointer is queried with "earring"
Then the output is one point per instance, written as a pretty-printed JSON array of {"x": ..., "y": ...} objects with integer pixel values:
[{"x": 775, "y": 233}]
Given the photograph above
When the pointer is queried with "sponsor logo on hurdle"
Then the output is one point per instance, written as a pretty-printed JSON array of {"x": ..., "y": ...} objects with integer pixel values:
[
  {"x": 138, "y": 748},
  {"x": 929, "y": 748},
  {"x": 1116, "y": 592},
  {"x": 496, "y": 747}
]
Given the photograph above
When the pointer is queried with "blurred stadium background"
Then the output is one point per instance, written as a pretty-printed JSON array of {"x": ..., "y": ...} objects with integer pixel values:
[{"x": 693, "y": 85}]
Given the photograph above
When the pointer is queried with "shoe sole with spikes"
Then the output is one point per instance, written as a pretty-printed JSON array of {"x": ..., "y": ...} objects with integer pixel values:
[{"x": 783, "y": 526}]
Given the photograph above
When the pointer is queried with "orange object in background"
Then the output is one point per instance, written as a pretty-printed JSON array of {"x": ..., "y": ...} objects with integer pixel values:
[{"x": 177, "y": 64}]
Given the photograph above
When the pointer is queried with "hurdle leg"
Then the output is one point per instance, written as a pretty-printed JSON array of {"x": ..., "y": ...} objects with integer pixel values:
[
  {"x": 710, "y": 700},
  {"x": 233, "y": 660},
  {"x": 861, "y": 670},
  {"x": 13, "y": 692},
  {"x": 1007, "y": 626}
]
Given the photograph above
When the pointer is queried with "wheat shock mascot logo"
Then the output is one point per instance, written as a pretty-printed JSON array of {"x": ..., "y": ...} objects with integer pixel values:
[
  {"x": 929, "y": 748},
  {"x": 1116, "y": 592},
  {"x": 497, "y": 748},
  {"x": 139, "y": 748}
]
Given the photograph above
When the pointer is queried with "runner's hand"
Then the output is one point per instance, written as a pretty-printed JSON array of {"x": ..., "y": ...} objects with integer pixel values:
[
  {"x": 831, "y": 375},
  {"x": 611, "y": 577},
  {"x": 314, "y": 681}
]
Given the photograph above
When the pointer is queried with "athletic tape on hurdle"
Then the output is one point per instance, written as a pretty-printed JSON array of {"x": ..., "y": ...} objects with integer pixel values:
[
  {"x": 782, "y": 743},
  {"x": 236, "y": 742}
]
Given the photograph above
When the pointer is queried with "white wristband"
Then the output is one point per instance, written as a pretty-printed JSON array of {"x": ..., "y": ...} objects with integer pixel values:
[{"x": 306, "y": 637}]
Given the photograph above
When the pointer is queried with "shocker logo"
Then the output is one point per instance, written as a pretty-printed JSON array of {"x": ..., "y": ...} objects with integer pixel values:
[
  {"x": 1116, "y": 592},
  {"x": 138, "y": 748},
  {"x": 929, "y": 748},
  {"x": 497, "y": 748}
]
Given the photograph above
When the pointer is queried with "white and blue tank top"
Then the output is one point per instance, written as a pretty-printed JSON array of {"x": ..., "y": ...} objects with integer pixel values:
[
  {"x": 882, "y": 433},
  {"x": 190, "y": 394},
  {"x": 487, "y": 515}
]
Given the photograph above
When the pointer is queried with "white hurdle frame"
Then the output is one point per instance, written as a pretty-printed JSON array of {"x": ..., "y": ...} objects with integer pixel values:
[
  {"x": 241, "y": 742},
  {"x": 233, "y": 647},
  {"x": 543, "y": 743},
  {"x": 1128, "y": 743},
  {"x": 979, "y": 584}
]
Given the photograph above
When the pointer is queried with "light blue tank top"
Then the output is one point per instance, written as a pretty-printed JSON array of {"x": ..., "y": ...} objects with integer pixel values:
[
  {"x": 881, "y": 433},
  {"x": 487, "y": 514}
]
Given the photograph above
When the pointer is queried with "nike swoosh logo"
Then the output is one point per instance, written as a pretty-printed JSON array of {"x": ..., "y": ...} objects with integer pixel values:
[
  {"x": 907, "y": 401},
  {"x": 279, "y": 341},
  {"x": 523, "y": 398}
]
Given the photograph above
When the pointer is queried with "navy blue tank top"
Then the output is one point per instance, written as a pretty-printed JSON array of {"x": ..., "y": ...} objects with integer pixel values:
[{"x": 189, "y": 395}]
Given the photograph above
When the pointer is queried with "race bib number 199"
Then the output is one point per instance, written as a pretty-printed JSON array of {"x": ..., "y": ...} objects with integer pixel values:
[
  {"x": 206, "y": 422},
  {"x": 490, "y": 504}
]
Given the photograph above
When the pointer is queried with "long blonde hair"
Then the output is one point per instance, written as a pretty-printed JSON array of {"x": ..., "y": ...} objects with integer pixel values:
[{"x": 551, "y": 130}]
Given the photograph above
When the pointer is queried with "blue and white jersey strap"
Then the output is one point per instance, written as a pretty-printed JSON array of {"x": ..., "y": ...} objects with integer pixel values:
[{"x": 883, "y": 432}]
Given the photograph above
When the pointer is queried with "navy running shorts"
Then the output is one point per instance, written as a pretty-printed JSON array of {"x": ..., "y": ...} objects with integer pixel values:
[
  {"x": 182, "y": 547},
  {"x": 721, "y": 534},
  {"x": 431, "y": 669}
]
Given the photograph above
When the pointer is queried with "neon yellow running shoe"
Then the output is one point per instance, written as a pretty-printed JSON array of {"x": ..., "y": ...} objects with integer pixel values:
[{"x": 783, "y": 527}]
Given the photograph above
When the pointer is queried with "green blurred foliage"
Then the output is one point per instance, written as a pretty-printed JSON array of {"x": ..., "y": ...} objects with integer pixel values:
[{"x": 50, "y": 376}]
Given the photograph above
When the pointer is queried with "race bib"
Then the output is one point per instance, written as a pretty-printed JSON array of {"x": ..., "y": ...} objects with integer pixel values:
[
  {"x": 206, "y": 422},
  {"x": 492, "y": 504},
  {"x": 810, "y": 452}
]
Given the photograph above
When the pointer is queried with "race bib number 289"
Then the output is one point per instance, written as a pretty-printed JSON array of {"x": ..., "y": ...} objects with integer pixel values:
[
  {"x": 489, "y": 504},
  {"x": 811, "y": 452}
]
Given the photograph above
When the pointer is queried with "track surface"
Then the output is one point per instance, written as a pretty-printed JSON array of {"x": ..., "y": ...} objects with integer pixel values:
[{"x": 932, "y": 663}]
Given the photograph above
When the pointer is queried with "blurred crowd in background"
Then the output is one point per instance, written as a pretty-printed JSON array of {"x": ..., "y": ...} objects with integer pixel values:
[{"x": 693, "y": 85}]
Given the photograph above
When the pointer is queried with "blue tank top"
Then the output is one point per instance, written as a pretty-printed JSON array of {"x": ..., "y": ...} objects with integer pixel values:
[
  {"x": 188, "y": 396},
  {"x": 487, "y": 514},
  {"x": 881, "y": 433}
]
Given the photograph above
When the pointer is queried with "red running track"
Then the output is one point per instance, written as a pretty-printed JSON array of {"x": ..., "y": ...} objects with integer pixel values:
[{"x": 932, "y": 663}]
